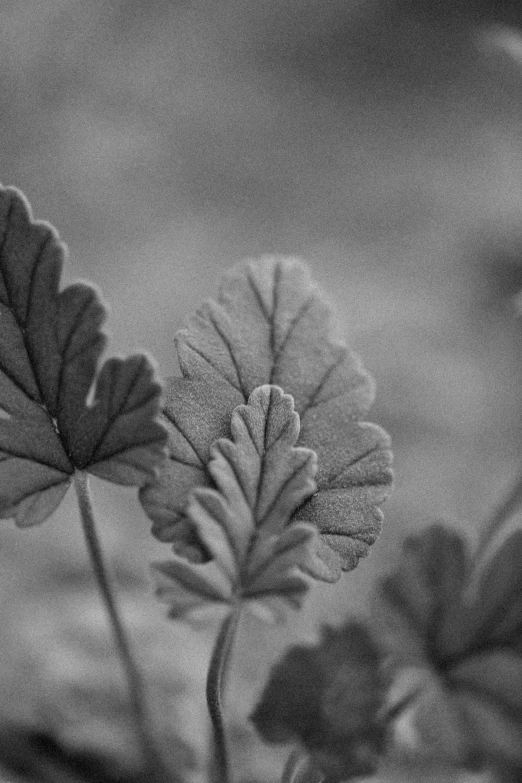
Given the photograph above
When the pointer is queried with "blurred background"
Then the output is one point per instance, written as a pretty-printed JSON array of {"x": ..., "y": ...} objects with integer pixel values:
[{"x": 167, "y": 140}]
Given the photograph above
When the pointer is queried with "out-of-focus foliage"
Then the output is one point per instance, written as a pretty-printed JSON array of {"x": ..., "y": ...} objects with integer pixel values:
[
  {"x": 330, "y": 698},
  {"x": 74, "y": 689},
  {"x": 457, "y": 639}
]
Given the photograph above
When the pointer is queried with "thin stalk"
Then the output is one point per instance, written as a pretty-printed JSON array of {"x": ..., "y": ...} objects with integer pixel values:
[
  {"x": 300, "y": 769},
  {"x": 504, "y": 511},
  {"x": 292, "y": 767},
  {"x": 216, "y": 679},
  {"x": 143, "y": 728}
]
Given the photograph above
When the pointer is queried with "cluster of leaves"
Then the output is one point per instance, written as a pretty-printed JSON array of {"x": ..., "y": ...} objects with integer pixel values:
[
  {"x": 259, "y": 473},
  {"x": 270, "y": 325},
  {"x": 261, "y": 479},
  {"x": 271, "y": 475},
  {"x": 446, "y": 657},
  {"x": 456, "y": 636},
  {"x": 271, "y": 472},
  {"x": 58, "y": 414}
]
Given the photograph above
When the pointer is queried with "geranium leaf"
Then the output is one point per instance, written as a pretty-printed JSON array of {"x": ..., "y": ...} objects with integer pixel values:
[
  {"x": 489, "y": 688},
  {"x": 185, "y": 587},
  {"x": 202, "y": 416},
  {"x": 244, "y": 524},
  {"x": 421, "y": 602},
  {"x": 271, "y": 325},
  {"x": 330, "y": 697},
  {"x": 495, "y": 675},
  {"x": 50, "y": 346},
  {"x": 465, "y": 637},
  {"x": 498, "y": 605}
]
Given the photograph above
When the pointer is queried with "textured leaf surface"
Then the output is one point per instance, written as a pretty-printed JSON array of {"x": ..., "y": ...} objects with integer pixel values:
[
  {"x": 50, "y": 345},
  {"x": 271, "y": 325},
  {"x": 467, "y": 642},
  {"x": 261, "y": 478}
]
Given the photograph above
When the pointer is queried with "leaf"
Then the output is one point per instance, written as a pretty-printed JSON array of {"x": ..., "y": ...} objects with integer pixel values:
[
  {"x": 50, "y": 346},
  {"x": 498, "y": 605},
  {"x": 271, "y": 325},
  {"x": 261, "y": 478},
  {"x": 421, "y": 602},
  {"x": 489, "y": 692},
  {"x": 330, "y": 698},
  {"x": 467, "y": 642}
]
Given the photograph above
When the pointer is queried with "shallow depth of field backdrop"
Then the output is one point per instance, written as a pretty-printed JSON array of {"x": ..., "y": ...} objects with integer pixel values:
[{"x": 166, "y": 140}]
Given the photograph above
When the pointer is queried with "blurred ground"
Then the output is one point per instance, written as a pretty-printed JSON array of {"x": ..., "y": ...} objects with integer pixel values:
[{"x": 380, "y": 141}]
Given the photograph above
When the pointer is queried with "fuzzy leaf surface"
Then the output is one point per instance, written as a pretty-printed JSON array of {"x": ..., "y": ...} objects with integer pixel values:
[
  {"x": 464, "y": 646},
  {"x": 50, "y": 345},
  {"x": 271, "y": 325},
  {"x": 244, "y": 524}
]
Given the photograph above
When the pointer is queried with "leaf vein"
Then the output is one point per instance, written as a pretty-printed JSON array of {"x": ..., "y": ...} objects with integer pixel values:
[
  {"x": 251, "y": 434},
  {"x": 293, "y": 323},
  {"x": 38, "y": 491},
  {"x": 233, "y": 359},
  {"x": 232, "y": 464},
  {"x": 258, "y": 297},
  {"x": 123, "y": 449},
  {"x": 185, "y": 462},
  {"x": 4, "y": 240},
  {"x": 111, "y": 418},
  {"x": 263, "y": 454},
  {"x": 352, "y": 464},
  {"x": 64, "y": 349},
  {"x": 187, "y": 439},
  {"x": 313, "y": 397},
  {"x": 215, "y": 368},
  {"x": 4, "y": 456},
  {"x": 280, "y": 492}
]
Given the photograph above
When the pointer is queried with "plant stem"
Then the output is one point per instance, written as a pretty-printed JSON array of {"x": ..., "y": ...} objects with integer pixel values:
[
  {"x": 504, "y": 511},
  {"x": 294, "y": 761},
  {"x": 300, "y": 769},
  {"x": 216, "y": 679},
  {"x": 153, "y": 763}
]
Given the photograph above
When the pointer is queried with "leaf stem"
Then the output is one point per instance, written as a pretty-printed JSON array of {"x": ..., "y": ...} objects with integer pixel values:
[
  {"x": 216, "y": 680},
  {"x": 300, "y": 769},
  {"x": 504, "y": 511},
  {"x": 152, "y": 760},
  {"x": 294, "y": 761}
]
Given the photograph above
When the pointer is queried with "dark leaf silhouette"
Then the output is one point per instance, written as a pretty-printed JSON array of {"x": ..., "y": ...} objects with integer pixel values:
[
  {"x": 261, "y": 478},
  {"x": 50, "y": 345},
  {"x": 271, "y": 325},
  {"x": 459, "y": 642},
  {"x": 330, "y": 697}
]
